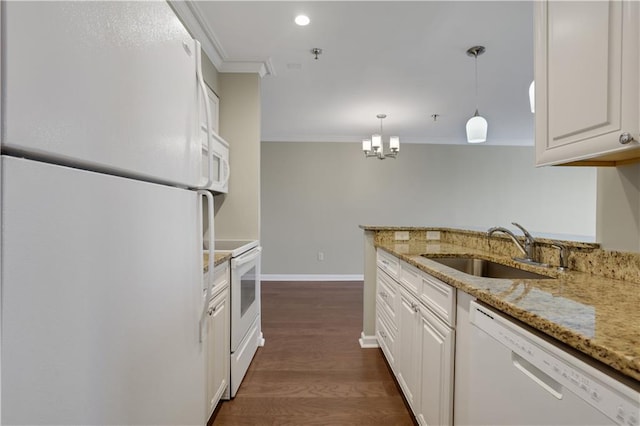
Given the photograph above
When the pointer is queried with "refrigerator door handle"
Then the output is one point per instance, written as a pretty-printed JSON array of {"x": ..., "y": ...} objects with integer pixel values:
[
  {"x": 207, "y": 108},
  {"x": 203, "y": 315}
]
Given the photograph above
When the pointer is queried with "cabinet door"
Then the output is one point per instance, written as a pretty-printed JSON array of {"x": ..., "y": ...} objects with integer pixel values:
[
  {"x": 214, "y": 107},
  {"x": 408, "y": 349},
  {"x": 436, "y": 394},
  {"x": 586, "y": 72},
  {"x": 218, "y": 350}
]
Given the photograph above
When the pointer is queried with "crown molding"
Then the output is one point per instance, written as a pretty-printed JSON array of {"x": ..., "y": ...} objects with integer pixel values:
[
  {"x": 193, "y": 19},
  {"x": 245, "y": 67}
]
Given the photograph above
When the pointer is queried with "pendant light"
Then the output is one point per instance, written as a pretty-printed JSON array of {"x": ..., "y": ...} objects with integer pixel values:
[{"x": 477, "y": 125}]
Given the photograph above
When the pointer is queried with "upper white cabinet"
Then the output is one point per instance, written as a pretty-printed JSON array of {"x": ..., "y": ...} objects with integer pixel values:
[
  {"x": 214, "y": 108},
  {"x": 586, "y": 73}
]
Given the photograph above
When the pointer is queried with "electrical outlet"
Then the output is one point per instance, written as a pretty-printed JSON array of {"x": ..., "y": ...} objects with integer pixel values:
[
  {"x": 433, "y": 235},
  {"x": 402, "y": 235},
  {"x": 320, "y": 256}
]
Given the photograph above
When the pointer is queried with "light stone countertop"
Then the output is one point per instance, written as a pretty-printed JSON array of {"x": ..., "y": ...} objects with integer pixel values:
[
  {"x": 218, "y": 258},
  {"x": 597, "y": 316}
]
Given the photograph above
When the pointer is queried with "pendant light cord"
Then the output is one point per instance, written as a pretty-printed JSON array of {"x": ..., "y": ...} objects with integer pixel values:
[{"x": 476, "y": 61}]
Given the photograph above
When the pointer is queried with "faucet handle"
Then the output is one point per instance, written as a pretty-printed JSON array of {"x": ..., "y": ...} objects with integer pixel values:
[{"x": 564, "y": 255}]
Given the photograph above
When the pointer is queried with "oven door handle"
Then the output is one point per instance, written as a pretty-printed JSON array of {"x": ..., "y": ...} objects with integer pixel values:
[{"x": 246, "y": 258}]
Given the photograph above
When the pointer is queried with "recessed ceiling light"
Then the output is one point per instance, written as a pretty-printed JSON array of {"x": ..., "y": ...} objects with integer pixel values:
[{"x": 302, "y": 20}]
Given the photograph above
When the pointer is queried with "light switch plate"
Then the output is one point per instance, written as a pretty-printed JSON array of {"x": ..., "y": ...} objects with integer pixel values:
[{"x": 402, "y": 235}]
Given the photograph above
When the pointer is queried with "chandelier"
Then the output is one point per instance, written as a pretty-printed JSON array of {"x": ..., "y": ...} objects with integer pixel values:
[{"x": 373, "y": 147}]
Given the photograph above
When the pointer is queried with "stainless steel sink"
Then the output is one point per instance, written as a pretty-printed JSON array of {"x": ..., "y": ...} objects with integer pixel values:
[{"x": 485, "y": 268}]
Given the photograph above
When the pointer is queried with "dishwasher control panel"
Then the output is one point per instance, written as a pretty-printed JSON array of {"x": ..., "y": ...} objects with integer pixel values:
[{"x": 614, "y": 399}]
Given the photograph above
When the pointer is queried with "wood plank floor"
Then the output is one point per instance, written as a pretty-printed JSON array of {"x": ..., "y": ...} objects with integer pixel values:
[{"x": 312, "y": 370}]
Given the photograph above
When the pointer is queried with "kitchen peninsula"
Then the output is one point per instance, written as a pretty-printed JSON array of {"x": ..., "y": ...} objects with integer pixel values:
[
  {"x": 588, "y": 310},
  {"x": 607, "y": 281}
]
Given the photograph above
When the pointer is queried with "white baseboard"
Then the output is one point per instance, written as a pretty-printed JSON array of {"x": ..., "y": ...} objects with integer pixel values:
[
  {"x": 310, "y": 277},
  {"x": 368, "y": 341}
]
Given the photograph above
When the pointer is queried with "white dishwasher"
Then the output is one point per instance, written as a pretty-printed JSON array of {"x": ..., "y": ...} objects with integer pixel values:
[{"x": 518, "y": 378}]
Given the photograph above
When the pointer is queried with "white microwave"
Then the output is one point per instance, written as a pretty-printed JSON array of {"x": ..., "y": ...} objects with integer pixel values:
[{"x": 220, "y": 164}]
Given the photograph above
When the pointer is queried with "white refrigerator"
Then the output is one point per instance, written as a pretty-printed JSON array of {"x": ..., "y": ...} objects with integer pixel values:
[{"x": 101, "y": 256}]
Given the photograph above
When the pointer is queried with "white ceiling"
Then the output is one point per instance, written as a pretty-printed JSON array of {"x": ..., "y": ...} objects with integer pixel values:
[{"x": 405, "y": 59}]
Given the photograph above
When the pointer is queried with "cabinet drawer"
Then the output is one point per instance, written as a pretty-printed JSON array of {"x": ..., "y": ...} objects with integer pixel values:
[
  {"x": 386, "y": 339},
  {"x": 388, "y": 263},
  {"x": 439, "y": 297},
  {"x": 220, "y": 278},
  {"x": 387, "y": 295},
  {"x": 411, "y": 278}
]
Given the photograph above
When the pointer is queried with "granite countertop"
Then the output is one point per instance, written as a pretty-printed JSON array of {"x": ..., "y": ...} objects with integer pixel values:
[
  {"x": 218, "y": 258},
  {"x": 596, "y": 315}
]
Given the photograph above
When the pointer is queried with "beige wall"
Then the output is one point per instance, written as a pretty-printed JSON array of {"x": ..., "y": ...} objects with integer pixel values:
[
  {"x": 238, "y": 213},
  {"x": 618, "y": 208},
  {"x": 314, "y": 196}
]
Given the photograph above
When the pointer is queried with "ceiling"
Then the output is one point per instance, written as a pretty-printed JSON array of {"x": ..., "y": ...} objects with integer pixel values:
[{"x": 405, "y": 59}]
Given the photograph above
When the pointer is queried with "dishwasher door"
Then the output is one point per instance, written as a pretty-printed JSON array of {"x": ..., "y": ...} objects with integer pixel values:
[{"x": 517, "y": 378}]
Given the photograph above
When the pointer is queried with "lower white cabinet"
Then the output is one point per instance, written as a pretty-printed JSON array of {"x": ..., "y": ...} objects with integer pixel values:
[
  {"x": 386, "y": 335},
  {"x": 425, "y": 361},
  {"x": 218, "y": 347},
  {"x": 436, "y": 370},
  {"x": 419, "y": 341},
  {"x": 408, "y": 349}
]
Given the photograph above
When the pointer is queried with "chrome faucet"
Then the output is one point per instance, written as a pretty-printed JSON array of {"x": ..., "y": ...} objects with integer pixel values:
[{"x": 526, "y": 248}]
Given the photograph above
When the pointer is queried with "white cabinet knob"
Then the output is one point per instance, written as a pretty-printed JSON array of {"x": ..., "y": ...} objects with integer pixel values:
[{"x": 625, "y": 138}]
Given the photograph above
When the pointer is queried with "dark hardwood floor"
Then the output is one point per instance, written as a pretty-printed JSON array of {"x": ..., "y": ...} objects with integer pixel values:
[{"x": 312, "y": 370}]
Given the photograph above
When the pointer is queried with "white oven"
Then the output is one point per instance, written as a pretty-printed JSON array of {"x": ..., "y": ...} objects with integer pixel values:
[
  {"x": 245, "y": 294},
  {"x": 246, "y": 333}
]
